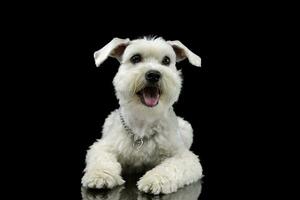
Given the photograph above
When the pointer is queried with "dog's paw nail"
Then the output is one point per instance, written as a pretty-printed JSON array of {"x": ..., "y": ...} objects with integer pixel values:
[
  {"x": 90, "y": 185},
  {"x": 144, "y": 188}
]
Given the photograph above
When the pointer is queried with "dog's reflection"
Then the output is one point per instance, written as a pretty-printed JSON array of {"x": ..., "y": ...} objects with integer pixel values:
[{"x": 129, "y": 191}]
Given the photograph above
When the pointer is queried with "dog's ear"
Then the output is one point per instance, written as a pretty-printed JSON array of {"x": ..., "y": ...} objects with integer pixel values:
[
  {"x": 182, "y": 52},
  {"x": 114, "y": 48}
]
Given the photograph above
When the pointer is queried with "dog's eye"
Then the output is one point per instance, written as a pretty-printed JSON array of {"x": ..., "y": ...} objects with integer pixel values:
[
  {"x": 166, "y": 60},
  {"x": 136, "y": 59}
]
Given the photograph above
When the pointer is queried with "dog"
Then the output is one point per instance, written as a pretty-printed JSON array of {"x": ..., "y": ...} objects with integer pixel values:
[{"x": 144, "y": 134}]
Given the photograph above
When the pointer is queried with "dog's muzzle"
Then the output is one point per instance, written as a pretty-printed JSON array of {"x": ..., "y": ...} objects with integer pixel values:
[{"x": 150, "y": 94}]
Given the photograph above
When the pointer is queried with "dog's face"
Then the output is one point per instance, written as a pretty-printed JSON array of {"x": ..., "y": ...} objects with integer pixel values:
[{"x": 147, "y": 76}]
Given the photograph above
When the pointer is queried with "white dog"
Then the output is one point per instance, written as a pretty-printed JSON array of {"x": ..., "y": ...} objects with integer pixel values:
[{"x": 145, "y": 133}]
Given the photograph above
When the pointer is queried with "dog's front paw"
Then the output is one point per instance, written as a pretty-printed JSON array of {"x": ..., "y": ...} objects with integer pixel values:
[
  {"x": 101, "y": 179},
  {"x": 156, "y": 184}
]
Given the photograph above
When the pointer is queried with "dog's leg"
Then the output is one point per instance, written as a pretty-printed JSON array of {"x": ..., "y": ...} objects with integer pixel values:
[
  {"x": 102, "y": 169},
  {"x": 173, "y": 173}
]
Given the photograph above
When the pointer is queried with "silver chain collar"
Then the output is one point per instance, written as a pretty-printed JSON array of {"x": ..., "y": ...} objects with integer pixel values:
[{"x": 137, "y": 140}]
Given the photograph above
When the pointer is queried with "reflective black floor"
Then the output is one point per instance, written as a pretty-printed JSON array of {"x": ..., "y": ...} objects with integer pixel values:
[{"x": 129, "y": 191}]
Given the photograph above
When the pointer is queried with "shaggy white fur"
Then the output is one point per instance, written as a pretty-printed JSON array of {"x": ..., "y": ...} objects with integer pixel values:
[{"x": 148, "y": 116}]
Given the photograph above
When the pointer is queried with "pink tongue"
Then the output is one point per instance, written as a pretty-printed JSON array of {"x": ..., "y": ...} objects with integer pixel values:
[{"x": 151, "y": 100}]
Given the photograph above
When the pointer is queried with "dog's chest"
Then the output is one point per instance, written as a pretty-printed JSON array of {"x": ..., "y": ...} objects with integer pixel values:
[{"x": 150, "y": 152}]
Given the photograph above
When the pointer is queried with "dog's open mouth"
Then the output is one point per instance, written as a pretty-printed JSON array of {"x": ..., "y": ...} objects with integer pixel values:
[{"x": 149, "y": 95}]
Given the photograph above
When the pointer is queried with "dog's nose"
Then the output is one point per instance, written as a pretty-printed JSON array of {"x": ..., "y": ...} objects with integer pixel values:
[{"x": 153, "y": 76}]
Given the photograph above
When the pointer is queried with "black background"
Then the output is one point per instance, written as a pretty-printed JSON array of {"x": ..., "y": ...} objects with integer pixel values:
[{"x": 60, "y": 99}]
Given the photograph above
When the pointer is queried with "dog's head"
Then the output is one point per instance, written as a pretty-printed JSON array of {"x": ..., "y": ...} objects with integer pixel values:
[{"x": 147, "y": 77}]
